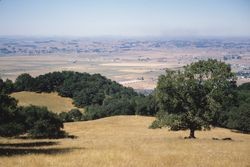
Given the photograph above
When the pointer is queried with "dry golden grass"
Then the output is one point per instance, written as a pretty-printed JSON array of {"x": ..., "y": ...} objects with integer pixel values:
[
  {"x": 52, "y": 101},
  {"x": 126, "y": 141}
]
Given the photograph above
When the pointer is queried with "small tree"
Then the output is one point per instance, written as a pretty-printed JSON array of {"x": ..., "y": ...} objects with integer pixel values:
[
  {"x": 193, "y": 98},
  {"x": 41, "y": 123},
  {"x": 75, "y": 115},
  {"x": 24, "y": 82},
  {"x": 11, "y": 118},
  {"x": 239, "y": 118},
  {"x": 64, "y": 116}
]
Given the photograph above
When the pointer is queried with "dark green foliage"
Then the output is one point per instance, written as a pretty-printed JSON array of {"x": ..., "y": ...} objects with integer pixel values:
[
  {"x": 37, "y": 121},
  {"x": 71, "y": 116},
  {"x": 41, "y": 123},
  {"x": 75, "y": 114},
  {"x": 6, "y": 87},
  {"x": 88, "y": 96},
  {"x": 90, "y": 91},
  {"x": 85, "y": 89},
  {"x": 146, "y": 105},
  {"x": 114, "y": 106},
  {"x": 139, "y": 105},
  {"x": 193, "y": 98},
  {"x": 244, "y": 86},
  {"x": 11, "y": 129},
  {"x": 239, "y": 118},
  {"x": 11, "y": 119},
  {"x": 93, "y": 112},
  {"x": 46, "y": 129},
  {"x": 110, "y": 107},
  {"x": 64, "y": 116},
  {"x": 24, "y": 82}
]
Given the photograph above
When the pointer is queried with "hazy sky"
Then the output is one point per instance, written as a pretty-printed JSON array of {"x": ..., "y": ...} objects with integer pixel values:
[{"x": 125, "y": 17}]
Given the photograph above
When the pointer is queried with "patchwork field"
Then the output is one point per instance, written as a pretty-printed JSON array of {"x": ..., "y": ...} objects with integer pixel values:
[
  {"x": 122, "y": 67},
  {"x": 126, "y": 141},
  {"x": 52, "y": 101}
]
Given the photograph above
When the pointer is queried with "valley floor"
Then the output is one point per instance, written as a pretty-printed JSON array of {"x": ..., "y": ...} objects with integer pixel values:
[{"x": 126, "y": 141}]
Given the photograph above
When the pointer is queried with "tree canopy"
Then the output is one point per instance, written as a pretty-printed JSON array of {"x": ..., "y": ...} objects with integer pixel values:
[
  {"x": 193, "y": 98},
  {"x": 93, "y": 92},
  {"x": 37, "y": 122}
]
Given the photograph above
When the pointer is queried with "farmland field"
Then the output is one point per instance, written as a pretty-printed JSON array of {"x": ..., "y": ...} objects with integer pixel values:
[
  {"x": 127, "y": 141},
  {"x": 142, "y": 58}
]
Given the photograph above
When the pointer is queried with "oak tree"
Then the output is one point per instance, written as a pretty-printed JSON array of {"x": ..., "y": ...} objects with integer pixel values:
[{"x": 193, "y": 98}]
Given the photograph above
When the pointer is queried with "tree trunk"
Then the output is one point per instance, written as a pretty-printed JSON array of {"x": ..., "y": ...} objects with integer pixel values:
[{"x": 191, "y": 136}]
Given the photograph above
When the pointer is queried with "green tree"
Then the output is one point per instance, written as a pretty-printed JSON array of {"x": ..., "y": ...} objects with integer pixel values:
[
  {"x": 41, "y": 123},
  {"x": 239, "y": 118},
  {"x": 146, "y": 105},
  {"x": 64, "y": 116},
  {"x": 194, "y": 97},
  {"x": 6, "y": 87},
  {"x": 244, "y": 86},
  {"x": 11, "y": 119},
  {"x": 75, "y": 115},
  {"x": 24, "y": 82}
]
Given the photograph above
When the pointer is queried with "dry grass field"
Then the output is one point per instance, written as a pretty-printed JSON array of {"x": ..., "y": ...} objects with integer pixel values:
[
  {"x": 126, "y": 141},
  {"x": 52, "y": 101}
]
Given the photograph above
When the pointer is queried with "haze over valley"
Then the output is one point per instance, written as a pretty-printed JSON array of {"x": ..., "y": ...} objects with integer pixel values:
[{"x": 132, "y": 62}]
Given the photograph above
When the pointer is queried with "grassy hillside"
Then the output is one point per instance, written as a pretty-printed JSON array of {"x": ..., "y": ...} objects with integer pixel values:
[
  {"x": 52, "y": 101},
  {"x": 126, "y": 141}
]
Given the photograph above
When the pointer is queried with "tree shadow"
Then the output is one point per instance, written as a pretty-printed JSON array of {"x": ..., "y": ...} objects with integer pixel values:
[
  {"x": 27, "y": 151},
  {"x": 238, "y": 131},
  {"x": 26, "y": 148},
  {"x": 62, "y": 137},
  {"x": 30, "y": 144}
]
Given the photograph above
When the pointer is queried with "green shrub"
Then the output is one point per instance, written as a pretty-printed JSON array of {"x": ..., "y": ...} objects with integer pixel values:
[
  {"x": 239, "y": 118},
  {"x": 42, "y": 123},
  {"x": 75, "y": 115},
  {"x": 64, "y": 116},
  {"x": 11, "y": 129}
]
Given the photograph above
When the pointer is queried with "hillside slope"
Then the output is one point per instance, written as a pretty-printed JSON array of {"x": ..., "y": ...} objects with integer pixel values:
[
  {"x": 126, "y": 141},
  {"x": 52, "y": 101}
]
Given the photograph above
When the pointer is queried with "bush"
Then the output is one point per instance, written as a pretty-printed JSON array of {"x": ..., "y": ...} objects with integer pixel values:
[
  {"x": 64, "y": 116},
  {"x": 11, "y": 129},
  {"x": 146, "y": 105},
  {"x": 75, "y": 115},
  {"x": 94, "y": 112},
  {"x": 42, "y": 123},
  {"x": 244, "y": 86},
  {"x": 46, "y": 129},
  {"x": 71, "y": 116},
  {"x": 239, "y": 118},
  {"x": 11, "y": 119},
  {"x": 24, "y": 82}
]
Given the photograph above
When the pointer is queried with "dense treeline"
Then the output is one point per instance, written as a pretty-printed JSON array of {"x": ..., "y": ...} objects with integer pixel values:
[
  {"x": 238, "y": 116},
  {"x": 138, "y": 105},
  {"x": 85, "y": 89},
  {"x": 100, "y": 96}
]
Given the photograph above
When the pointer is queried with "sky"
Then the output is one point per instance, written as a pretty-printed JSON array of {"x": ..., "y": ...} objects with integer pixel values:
[{"x": 131, "y": 18}]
